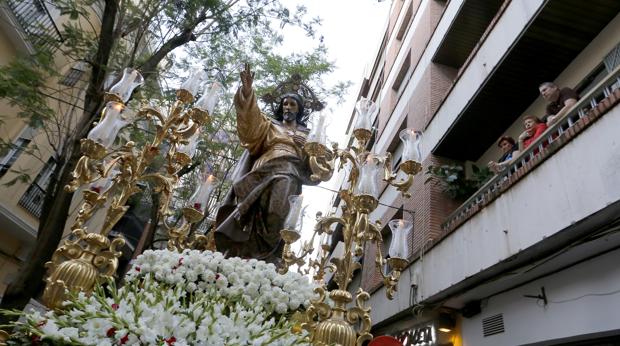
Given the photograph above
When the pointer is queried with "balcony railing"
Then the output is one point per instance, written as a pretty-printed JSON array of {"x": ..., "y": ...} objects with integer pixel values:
[
  {"x": 35, "y": 19},
  {"x": 591, "y": 106},
  {"x": 32, "y": 200}
]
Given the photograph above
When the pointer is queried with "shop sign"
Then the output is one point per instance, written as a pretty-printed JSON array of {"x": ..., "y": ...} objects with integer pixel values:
[{"x": 420, "y": 336}]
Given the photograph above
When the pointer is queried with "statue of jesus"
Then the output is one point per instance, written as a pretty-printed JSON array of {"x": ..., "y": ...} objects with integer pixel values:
[{"x": 272, "y": 168}]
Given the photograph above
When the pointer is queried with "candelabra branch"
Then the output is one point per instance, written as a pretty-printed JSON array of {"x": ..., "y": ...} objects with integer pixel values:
[
  {"x": 397, "y": 265},
  {"x": 89, "y": 257},
  {"x": 410, "y": 168},
  {"x": 361, "y": 314}
]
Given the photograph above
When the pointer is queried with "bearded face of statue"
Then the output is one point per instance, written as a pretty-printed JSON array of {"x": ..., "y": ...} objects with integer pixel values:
[{"x": 290, "y": 108}]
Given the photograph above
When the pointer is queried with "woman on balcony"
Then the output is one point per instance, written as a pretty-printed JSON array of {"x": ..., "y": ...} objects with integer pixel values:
[{"x": 534, "y": 127}]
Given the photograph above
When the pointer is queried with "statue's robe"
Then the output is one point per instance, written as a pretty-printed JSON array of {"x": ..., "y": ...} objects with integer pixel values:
[{"x": 272, "y": 168}]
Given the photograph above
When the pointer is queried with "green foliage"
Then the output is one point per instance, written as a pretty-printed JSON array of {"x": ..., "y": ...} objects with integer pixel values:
[
  {"x": 455, "y": 183},
  {"x": 22, "y": 83},
  {"x": 164, "y": 39}
]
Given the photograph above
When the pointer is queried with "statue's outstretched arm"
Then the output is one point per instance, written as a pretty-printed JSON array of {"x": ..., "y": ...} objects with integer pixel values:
[{"x": 252, "y": 126}]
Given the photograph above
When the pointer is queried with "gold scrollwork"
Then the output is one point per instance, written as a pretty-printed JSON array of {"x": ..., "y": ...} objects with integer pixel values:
[{"x": 79, "y": 264}]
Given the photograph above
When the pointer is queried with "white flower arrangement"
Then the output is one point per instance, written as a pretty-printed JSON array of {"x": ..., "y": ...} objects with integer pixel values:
[{"x": 188, "y": 298}]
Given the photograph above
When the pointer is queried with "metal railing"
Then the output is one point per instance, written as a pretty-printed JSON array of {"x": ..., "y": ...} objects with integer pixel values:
[
  {"x": 501, "y": 181},
  {"x": 33, "y": 199},
  {"x": 3, "y": 169},
  {"x": 37, "y": 22}
]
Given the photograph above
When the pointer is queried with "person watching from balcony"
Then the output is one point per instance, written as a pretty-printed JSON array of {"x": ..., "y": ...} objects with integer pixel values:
[
  {"x": 534, "y": 127},
  {"x": 509, "y": 149},
  {"x": 559, "y": 101}
]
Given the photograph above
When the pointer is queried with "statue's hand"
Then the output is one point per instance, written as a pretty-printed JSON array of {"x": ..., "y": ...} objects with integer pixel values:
[{"x": 247, "y": 78}]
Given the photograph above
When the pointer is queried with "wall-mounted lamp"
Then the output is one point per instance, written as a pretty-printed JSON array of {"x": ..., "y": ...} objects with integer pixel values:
[{"x": 445, "y": 323}]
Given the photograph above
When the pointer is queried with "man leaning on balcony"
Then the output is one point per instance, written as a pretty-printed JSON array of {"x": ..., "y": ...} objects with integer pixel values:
[{"x": 559, "y": 101}]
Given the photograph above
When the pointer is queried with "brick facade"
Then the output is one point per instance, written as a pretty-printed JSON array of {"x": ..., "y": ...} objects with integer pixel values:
[
  {"x": 429, "y": 18},
  {"x": 428, "y": 202}
]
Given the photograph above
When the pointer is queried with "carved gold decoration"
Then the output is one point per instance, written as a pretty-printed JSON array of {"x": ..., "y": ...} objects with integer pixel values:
[
  {"x": 4, "y": 336},
  {"x": 342, "y": 324},
  {"x": 91, "y": 257},
  {"x": 79, "y": 264}
]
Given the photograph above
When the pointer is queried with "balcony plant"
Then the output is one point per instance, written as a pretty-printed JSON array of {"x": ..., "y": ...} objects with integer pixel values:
[{"x": 455, "y": 182}]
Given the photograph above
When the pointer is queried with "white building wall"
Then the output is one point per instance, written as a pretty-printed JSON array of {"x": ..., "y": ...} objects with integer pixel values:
[
  {"x": 566, "y": 188},
  {"x": 581, "y": 301}
]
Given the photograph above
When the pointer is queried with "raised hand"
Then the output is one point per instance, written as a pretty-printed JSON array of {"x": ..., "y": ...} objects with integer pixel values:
[{"x": 247, "y": 78}]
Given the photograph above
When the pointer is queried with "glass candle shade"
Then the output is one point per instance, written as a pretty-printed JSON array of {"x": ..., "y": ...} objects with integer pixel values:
[
  {"x": 318, "y": 132},
  {"x": 365, "y": 109},
  {"x": 200, "y": 199},
  {"x": 124, "y": 88},
  {"x": 367, "y": 183},
  {"x": 294, "y": 214},
  {"x": 194, "y": 81},
  {"x": 411, "y": 145},
  {"x": 111, "y": 122},
  {"x": 209, "y": 98},
  {"x": 399, "y": 247},
  {"x": 190, "y": 148}
]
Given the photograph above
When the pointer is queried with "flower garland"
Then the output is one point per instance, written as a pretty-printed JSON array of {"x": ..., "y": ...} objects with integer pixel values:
[{"x": 188, "y": 298}]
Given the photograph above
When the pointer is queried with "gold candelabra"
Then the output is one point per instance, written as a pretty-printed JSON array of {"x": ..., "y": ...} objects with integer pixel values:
[
  {"x": 114, "y": 175},
  {"x": 338, "y": 322}
]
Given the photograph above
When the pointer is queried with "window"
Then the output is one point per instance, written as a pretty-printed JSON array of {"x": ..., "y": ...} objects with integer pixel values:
[
  {"x": 377, "y": 91},
  {"x": 402, "y": 73},
  {"x": 74, "y": 75},
  {"x": 612, "y": 60},
  {"x": 591, "y": 80},
  {"x": 404, "y": 25},
  {"x": 40, "y": 6},
  {"x": 32, "y": 199},
  {"x": 15, "y": 150}
]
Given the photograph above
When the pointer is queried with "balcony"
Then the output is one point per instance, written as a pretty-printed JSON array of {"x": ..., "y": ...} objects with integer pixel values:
[
  {"x": 35, "y": 20},
  {"x": 557, "y": 204},
  {"x": 33, "y": 199},
  {"x": 559, "y": 193},
  {"x": 531, "y": 42},
  {"x": 596, "y": 103}
]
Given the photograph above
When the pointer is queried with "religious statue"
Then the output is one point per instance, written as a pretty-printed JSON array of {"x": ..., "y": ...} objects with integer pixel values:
[{"x": 272, "y": 168}]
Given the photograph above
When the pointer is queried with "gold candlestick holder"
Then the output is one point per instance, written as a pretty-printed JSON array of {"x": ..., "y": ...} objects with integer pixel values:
[
  {"x": 339, "y": 322},
  {"x": 88, "y": 257}
]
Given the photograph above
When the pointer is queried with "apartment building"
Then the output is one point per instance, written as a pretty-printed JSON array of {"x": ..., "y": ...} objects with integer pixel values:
[
  {"x": 531, "y": 257},
  {"x": 26, "y": 27}
]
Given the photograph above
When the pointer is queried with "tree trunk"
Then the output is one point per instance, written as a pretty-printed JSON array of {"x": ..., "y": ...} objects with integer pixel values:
[{"x": 56, "y": 207}]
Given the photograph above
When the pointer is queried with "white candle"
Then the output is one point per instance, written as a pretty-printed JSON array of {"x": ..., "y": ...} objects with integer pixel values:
[
  {"x": 399, "y": 247},
  {"x": 209, "y": 99},
  {"x": 367, "y": 184},
  {"x": 411, "y": 145},
  {"x": 292, "y": 219},
  {"x": 365, "y": 109},
  {"x": 317, "y": 134}
]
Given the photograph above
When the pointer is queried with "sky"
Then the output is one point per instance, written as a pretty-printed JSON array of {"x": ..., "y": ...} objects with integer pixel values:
[{"x": 352, "y": 30}]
